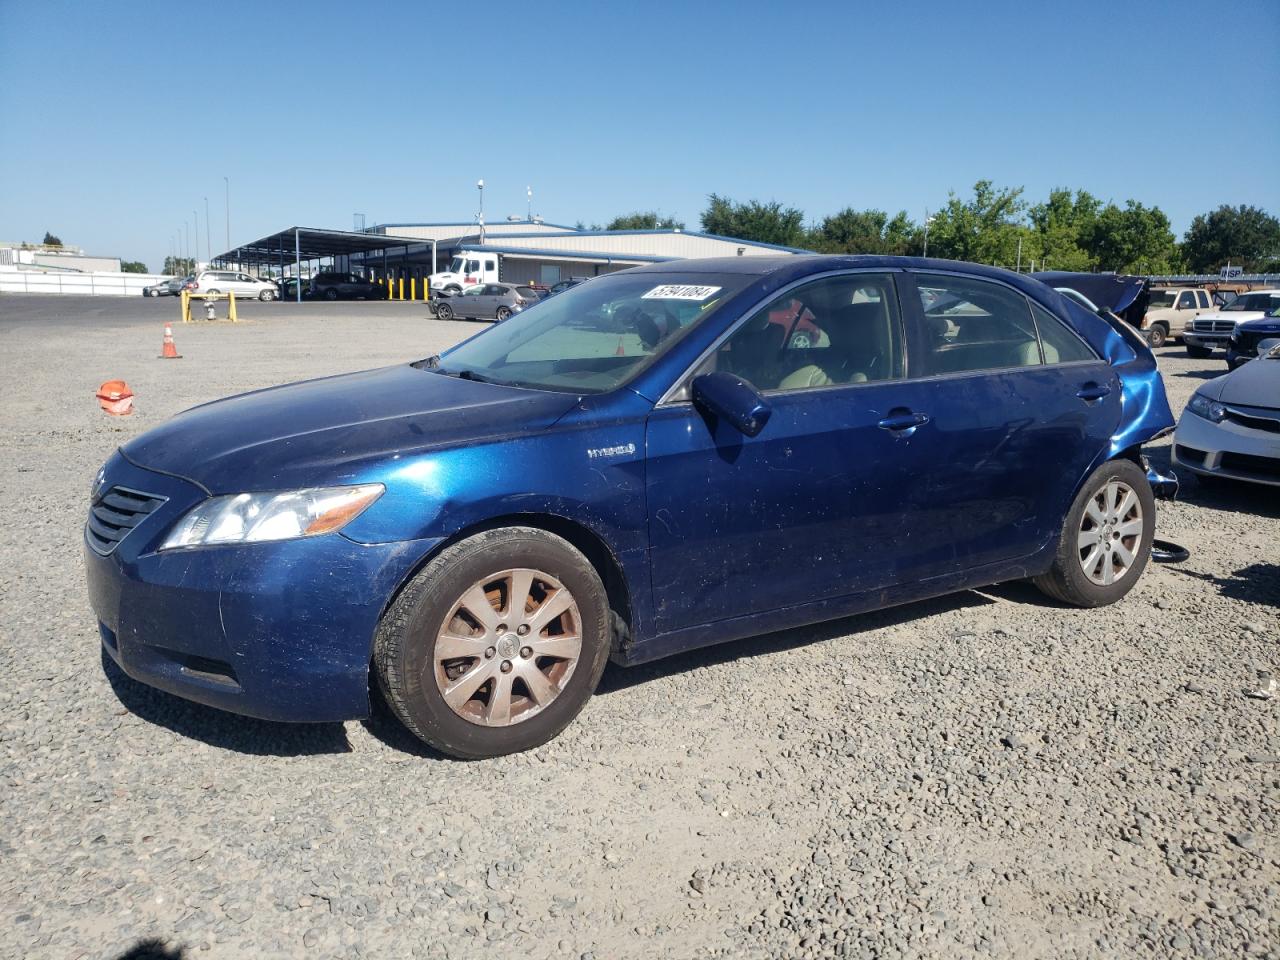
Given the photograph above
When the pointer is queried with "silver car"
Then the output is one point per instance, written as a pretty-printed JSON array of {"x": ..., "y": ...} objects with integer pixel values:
[
  {"x": 486, "y": 301},
  {"x": 1231, "y": 426},
  {"x": 231, "y": 281},
  {"x": 165, "y": 288}
]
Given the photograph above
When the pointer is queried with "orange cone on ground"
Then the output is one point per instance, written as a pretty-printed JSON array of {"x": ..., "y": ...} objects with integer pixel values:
[
  {"x": 170, "y": 351},
  {"x": 619, "y": 352},
  {"x": 115, "y": 398}
]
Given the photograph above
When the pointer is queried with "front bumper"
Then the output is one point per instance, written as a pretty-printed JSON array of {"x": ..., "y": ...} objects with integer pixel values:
[
  {"x": 280, "y": 631},
  {"x": 1209, "y": 341},
  {"x": 1227, "y": 449}
]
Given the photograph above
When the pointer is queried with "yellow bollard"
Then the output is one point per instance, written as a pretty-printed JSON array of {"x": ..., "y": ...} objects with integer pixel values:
[
  {"x": 402, "y": 288},
  {"x": 231, "y": 307},
  {"x": 413, "y": 288},
  {"x": 186, "y": 306}
]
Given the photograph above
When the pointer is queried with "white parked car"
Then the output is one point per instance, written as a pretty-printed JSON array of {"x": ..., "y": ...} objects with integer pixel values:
[
  {"x": 1210, "y": 331},
  {"x": 1231, "y": 426},
  {"x": 229, "y": 281},
  {"x": 1170, "y": 309}
]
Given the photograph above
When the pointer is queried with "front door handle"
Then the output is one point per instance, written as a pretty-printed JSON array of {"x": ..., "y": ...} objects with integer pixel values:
[
  {"x": 1093, "y": 391},
  {"x": 903, "y": 423}
]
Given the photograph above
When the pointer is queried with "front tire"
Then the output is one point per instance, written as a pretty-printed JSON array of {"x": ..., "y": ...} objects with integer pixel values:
[
  {"x": 444, "y": 312},
  {"x": 1106, "y": 538},
  {"x": 496, "y": 645},
  {"x": 1198, "y": 353},
  {"x": 266, "y": 296},
  {"x": 153, "y": 293},
  {"x": 1157, "y": 335}
]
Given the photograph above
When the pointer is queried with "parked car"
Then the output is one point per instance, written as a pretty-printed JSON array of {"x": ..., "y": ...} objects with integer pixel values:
[
  {"x": 1231, "y": 426},
  {"x": 567, "y": 284},
  {"x": 1120, "y": 295},
  {"x": 1212, "y": 330},
  {"x": 166, "y": 288},
  {"x": 1252, "y": 338},
  {"x": 287, "y": 289},
  {"x": 1170, "y": 309},
  {"x": 636, "y": 467},
  {"x": 345, "y": 286},
  {"x": 229, "y": 281},
  {"x": 487, "y": 301}
]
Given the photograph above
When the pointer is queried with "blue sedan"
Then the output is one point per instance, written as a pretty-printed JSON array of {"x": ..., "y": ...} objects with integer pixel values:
[{"x": 644, "y": 464}]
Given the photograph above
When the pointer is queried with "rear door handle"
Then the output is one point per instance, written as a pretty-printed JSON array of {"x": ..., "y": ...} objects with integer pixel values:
[
  {"x": 904, "y": 422},
  {"x": 1093, "y": 391}
]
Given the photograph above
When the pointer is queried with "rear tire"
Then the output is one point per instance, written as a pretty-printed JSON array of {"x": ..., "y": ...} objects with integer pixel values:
[
  {"x": 444, "y": 311},
  {"x": 331, "y": 294},
  {"x": 440, "y": 697},
  {"x": 1198, "y": 353},
  {"x": 502, "y": 314},
  {"x": 1102, "y": 519}
]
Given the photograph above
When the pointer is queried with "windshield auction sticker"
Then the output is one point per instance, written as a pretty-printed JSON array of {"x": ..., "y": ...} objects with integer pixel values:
[{"x": 679, "y": 291}]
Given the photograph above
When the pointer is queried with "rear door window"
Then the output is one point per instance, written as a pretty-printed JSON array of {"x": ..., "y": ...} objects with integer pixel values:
[
  {"x": 1059, "y": 344},
  {"x": 971, "y": 325},
  {"x": 1203, "y": 297}
]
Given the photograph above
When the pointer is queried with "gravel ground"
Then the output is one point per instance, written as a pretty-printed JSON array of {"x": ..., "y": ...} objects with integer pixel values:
[{"x": 983, "y": 774}]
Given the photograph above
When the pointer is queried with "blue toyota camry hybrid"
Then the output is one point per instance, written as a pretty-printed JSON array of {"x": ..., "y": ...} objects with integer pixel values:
[{"x": 644, "y": 464}]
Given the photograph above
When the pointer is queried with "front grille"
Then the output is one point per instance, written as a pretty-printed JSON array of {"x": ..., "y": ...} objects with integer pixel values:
[
  {"x": 1190, "y": 455},
  {"x": 1247, "y": 463},
  {"x": 1246, "y": 341},
  {"x": 115, "y": 513},
  {"x": 1269, "y": 424},
  {"x": 1213, "y": 326}
]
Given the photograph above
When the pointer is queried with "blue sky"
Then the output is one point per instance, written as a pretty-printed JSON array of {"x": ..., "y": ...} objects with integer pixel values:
[{"x": 119, "y": 119}]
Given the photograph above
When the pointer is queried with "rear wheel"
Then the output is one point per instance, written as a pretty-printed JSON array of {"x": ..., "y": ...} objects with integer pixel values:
[
  {"x": 444, "y": 311},
  {"x": 1106, "y": 538},
  {"x": 496, "y": 645},
  {"x": 214, "y": 291},
  {"x": 1157, "y": 335},
  {"x": 502, "y": 314},
  {"x": 331, "y": 294},
  {"x": 1198, "y": 353}
]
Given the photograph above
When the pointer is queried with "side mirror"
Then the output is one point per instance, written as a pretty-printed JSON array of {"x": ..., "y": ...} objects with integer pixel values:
[{"x": 732, "y": 399}]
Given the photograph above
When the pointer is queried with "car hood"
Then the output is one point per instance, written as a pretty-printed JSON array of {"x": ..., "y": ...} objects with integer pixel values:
[
  {"x": 1236, "y": 316},
  {"x": 1256, "y": 384},
  {"x": 1263, "y": 324},
  {"x": 324, "y": 431}
]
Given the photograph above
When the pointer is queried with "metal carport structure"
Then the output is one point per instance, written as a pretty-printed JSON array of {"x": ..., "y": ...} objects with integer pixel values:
[{"x": 297, "y": 245}]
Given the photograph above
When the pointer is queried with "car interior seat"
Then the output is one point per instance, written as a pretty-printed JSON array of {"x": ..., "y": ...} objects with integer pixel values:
[{"x": 859, "y": 346}]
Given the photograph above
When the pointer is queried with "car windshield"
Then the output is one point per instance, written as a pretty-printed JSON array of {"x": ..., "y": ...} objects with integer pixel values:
[
  {"x": 596, "y": 336},
  {"x": 1161, "y": 299},
  {"x": 456, "y": 265},
  {"x": 1253, "y": 301}
]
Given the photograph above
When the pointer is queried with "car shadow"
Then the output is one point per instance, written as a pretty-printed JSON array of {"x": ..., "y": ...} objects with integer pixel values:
[
  {"x": 1202, "y": 374},
  {"x": 384, "y": 726},
  {"x": 618, "y": 678},
  {"x": 153, "y": 949},
  {"x": 1256, "y": 583},
  {"x": 218, "y": 728},
  {"x": 1235, "y": 496}
]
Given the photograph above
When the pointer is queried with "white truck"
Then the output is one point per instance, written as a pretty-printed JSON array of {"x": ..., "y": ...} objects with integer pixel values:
[
  {"x": 1171, "y": 309},
  {"x": 467, "y": 268}
]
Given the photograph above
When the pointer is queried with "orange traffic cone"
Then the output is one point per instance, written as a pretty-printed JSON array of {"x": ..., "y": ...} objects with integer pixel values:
[
  {"x": 619, "y": 352},
  {"x": 115, "y": 398},
  {"x": 170, "y": 351}
]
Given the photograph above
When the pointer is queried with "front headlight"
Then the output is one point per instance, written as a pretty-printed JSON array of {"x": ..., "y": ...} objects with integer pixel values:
[
  {"x": 257, "y": 517},
  {"x": 1188, "y": 325},
  {"x": 1202, "y": 406}
]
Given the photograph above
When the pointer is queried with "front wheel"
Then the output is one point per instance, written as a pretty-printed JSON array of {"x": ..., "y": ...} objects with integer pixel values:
[
  {"x": 1198, "y": 353},
  {"x": 1106, "y": 538},
  {"x": 153, "y": 293},
  {"x": 444, "y": 312},
  {"x": 496, "y": 645},
  {"x": 1157, "y": 335},
  {"x": 266, "y": 295}
]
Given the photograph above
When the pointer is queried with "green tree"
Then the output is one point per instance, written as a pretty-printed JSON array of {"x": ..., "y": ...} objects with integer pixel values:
[
  {"x": 132, "y": 266},
  {"x": 762, "y": 222},
  {"x": 50, "y": 240},
  {"x": 647, "y": 220},
  {"x": 1065, "y": 226},
  {"x": 985, "y": 229},
  {"x": 178, "y": 266},
  {"x": 1245, "y": 236},
  {"x": 1135, "y": 239},
  {"x": 865, "y": 231}
]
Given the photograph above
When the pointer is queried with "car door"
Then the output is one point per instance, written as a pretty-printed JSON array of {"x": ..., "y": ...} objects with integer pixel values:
[
  {"x": 810, "y": 508},
  {"x": 1009, "y": 436},
  {"x": 471, "y": 303}
]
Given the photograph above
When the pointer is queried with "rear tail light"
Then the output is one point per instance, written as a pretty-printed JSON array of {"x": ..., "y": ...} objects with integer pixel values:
[{"x": 520, "y": 301}]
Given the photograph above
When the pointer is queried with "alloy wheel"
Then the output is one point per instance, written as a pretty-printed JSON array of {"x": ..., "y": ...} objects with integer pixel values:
[
  {"x": 1110, "y": 533},
  {"x": 508, "y": 647}
]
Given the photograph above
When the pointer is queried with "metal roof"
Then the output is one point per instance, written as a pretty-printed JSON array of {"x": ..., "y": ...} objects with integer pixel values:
[{"x": 311, "y": 243}]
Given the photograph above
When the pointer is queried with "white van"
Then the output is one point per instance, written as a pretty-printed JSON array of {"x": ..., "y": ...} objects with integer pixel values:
[
  {"x": 229, "y": 281},
  {"x": 465, "y": 270}
]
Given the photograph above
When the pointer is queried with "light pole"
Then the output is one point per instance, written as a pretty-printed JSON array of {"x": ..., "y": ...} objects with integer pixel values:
[
  {"x": 480, "y": 187},
  {"x": 195, "y": 216},
  {"x": 529, "y": 193},
  {"x": 186, "y": 242},
  {"x": 227, "y": 182},
  {"x": 927, "y": 220},
  {"x": 207, "y": 242}
]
